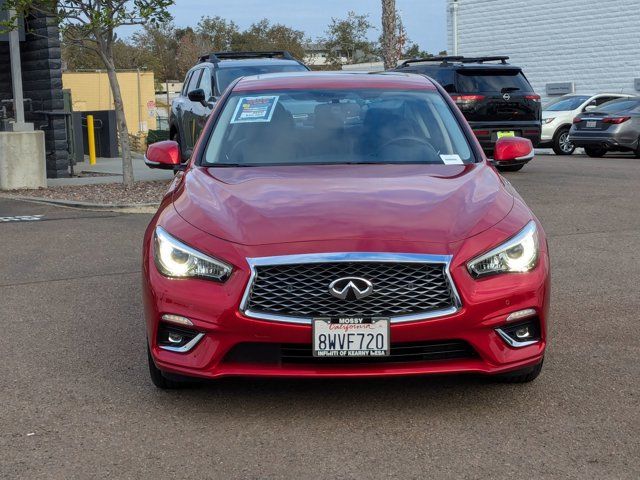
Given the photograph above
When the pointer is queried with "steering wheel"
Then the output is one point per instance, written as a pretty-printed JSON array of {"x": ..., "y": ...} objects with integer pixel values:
[
  {"x": 236, "y": 146},
  {"x": 408, "y": 139}
]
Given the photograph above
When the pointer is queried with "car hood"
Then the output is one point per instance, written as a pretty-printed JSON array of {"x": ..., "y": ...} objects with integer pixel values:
[{"x": 266, "y": 205}]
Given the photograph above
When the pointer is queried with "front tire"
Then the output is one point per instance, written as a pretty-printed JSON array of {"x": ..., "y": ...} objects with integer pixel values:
[
  {"x": 510, "y": 168},
  {"x": 595, "y": 152},
  {"x": 524, "y": 375},
  {"x": 561, "y": 143}
]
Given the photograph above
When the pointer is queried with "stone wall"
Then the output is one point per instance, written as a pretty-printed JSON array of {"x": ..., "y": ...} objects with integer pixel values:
[{"x": 42, "y": 83}]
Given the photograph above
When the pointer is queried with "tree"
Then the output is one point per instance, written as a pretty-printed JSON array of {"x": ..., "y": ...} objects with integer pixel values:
[
  {"x": 91, "y": 25},
  {"x": 390, "y": 37},
  {"x": 349, "y": 38},
  {"x": 414, "y": 51},
  {"x": 157, "y": 49},
  {"x": 263, "y": 35},
  {"x": 190, "y": 45},
  {"x": 217, "y": 33}
]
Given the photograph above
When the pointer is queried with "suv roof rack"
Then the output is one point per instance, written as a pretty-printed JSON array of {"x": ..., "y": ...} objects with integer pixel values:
[
  {"x": 216, "y": 57},
  {"x": 459, "y": 59}
]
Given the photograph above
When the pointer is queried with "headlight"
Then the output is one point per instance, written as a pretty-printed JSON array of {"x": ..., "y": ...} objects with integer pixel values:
[
  {"x": 518, "y": 254},
  {"x": 548, "y": 120},
  {"x": 175, "y": 259}
]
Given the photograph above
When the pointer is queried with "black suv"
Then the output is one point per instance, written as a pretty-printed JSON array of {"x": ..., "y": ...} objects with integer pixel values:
[
  {"x": 206, "y": 81},
  {"x": 494, "y": 96}
]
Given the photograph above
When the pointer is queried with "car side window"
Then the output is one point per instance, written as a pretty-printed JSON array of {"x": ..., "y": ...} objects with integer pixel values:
[
  {"x": 205, "y": 83},
  {"x": 601, "y": 100},
  {"x": 185, "y": 85},
  {"x": 193, "y": 82}
]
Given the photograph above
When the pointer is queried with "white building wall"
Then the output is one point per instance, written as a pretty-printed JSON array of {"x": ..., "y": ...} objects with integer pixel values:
[{"x": 593, "y": 43}]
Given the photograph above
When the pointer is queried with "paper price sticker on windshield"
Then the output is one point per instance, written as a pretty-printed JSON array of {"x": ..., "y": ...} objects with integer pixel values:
[
  {"x": 451, "y": 159},
  {"x": 255, "y": 109}
]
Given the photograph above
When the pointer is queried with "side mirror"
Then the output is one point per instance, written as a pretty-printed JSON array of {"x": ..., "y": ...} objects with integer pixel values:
[
  {"x": 164, "y": 155},
  {"x": 197, "y": 95},
  {"x": 512, "y": 151}
]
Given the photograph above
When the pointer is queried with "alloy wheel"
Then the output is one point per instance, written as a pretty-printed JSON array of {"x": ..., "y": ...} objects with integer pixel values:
[{"x": 565, "y": 145}]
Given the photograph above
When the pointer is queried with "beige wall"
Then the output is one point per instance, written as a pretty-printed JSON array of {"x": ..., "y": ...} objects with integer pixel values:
[{"x": 91, "y": 91}]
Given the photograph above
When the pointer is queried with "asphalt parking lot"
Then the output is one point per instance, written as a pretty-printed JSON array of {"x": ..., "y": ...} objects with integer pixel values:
[{"x": 76, "y": 400}]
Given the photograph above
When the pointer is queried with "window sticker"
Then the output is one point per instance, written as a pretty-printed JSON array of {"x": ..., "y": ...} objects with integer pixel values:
[
  {"x": 255, "y": 109},
  {"x": 452, "y": 159}
]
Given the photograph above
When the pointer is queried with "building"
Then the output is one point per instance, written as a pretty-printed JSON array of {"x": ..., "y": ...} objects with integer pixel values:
[
  {"x": 90, "y": 91},
  {"x": 582, "y": 46},
  {"x": 316, "y": 56}
]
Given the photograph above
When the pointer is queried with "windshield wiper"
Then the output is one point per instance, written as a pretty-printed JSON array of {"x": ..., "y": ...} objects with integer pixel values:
[{"x": 509, "y": 89}]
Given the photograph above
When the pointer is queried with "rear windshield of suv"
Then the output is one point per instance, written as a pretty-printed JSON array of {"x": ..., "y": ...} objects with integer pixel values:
[
  {"x": 300, "y": 127},
  {"x": 502, "y": 80}
]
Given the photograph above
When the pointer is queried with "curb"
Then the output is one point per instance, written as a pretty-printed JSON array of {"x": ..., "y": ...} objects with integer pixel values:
[{"x": 84, "y": 205}]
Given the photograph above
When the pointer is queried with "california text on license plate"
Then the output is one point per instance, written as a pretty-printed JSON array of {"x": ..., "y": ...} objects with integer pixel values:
[
  {"x": 509, "y": 133},
  {"x": 350, "y": 337}
]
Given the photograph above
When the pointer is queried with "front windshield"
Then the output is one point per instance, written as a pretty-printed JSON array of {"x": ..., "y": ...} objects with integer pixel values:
[
  {"x": 298, "y": 127},
  {"x": 616, "y": 106},
  {"x": 226, "y": 75},
  {"x": 566, "y": 104}
]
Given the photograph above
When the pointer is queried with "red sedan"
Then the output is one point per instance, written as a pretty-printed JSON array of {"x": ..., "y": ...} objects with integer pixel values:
[{"x": 342, "y": 225}]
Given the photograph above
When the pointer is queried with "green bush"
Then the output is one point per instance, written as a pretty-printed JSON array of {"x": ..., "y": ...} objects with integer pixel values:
[{"x": 154, "y": 136}]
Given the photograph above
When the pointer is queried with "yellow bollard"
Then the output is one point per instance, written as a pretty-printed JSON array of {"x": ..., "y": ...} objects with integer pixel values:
[{"x": 91, "y": 138}]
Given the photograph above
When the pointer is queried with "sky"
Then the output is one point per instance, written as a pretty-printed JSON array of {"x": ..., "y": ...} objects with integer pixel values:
[{"x": 424, "y": 20}]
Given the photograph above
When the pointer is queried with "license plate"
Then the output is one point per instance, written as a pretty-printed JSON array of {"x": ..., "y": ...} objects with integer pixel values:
[
  {"x": 351, "y": 337},
  {"x": 509, "y": 133},
  {"x": 591, "y": 124}
]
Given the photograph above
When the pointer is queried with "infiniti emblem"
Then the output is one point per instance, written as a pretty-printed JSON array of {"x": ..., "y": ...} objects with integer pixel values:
[
  {"x": 506, "y": 97},
  {"x": 350, "y": 288}
]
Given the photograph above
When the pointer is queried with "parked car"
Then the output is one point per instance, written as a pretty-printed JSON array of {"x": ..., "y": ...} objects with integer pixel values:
[
  {"x": 342, "y": 225},
  {"x": 495, "y": 98},
  {"x": 208, "y": 79},
  {"x": 613, "y": 126},
  {"x": 558, "y": 115}
]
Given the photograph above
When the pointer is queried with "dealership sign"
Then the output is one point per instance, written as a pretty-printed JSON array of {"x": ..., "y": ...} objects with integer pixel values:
[{"x": 560, "y": 88}]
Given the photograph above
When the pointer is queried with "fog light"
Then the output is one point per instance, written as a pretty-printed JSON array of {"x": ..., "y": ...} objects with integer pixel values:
[
  {"x": 177, "y": 339},
  {"x": 521, "y": 334}
]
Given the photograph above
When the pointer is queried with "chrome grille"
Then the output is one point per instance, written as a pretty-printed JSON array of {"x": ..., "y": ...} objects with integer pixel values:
[{"x": 402, "y": 290}]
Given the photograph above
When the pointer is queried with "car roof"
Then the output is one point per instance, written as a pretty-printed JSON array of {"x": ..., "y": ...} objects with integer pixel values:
[
  {"x": 596, "y": 94},
  {"x": 334, "y": 80},
  {"x": 457, "y": 66},
  {"x": 253, "y": 62}
]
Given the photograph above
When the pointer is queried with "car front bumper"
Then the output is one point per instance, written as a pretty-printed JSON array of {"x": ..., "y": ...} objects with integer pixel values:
[
  {"x": 214, "y": 310},
  {"x": 547, "y": 133}
]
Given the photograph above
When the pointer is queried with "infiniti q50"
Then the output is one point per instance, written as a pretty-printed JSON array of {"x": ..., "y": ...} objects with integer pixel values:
[{"x": 342, "y": 225}]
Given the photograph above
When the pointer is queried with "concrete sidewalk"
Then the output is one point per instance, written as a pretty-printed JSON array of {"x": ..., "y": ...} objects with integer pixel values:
[{"x": 112, "y": 167}]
